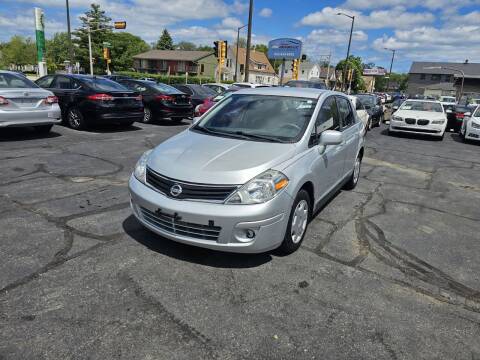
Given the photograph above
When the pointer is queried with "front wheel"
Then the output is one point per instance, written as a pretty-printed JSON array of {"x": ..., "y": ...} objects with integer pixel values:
[
  {"x": 353, "y": 180},
  {"x": 297, "y": 223}
]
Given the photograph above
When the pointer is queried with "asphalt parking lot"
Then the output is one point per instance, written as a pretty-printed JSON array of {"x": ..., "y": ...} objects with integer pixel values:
[{"x": 390, "y": 270}]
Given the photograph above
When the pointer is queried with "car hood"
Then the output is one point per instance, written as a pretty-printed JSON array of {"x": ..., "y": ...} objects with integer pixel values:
[
  {"x": 420, "y": 114},
  {"x": 202, "y": 158}
]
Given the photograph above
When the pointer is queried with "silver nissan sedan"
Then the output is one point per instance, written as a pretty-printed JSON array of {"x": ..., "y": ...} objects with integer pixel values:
[
  {"x": 249, "y": 174},
  {"x": 24, "y": 103}
]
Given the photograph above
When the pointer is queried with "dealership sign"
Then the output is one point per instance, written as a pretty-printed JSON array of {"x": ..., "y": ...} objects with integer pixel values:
[
  {"x": 285, "y": 48},
  {"x": 374, "y": 72}
]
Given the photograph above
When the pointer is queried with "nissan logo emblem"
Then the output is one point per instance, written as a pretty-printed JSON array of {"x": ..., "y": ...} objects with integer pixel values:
[{"x": 176, "y": 190}]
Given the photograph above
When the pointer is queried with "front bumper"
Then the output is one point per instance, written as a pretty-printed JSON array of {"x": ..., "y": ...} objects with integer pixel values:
[
  {"x": 430, "y": 129},
  {"x": 472, "y": 133},
  {"x": 227, "y": 224},
  {"x": 30, "y": 118}
]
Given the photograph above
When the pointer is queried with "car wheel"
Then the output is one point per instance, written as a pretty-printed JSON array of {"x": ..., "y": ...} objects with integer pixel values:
[
  {"x": 369, "y": 124},
  {"x": 147, "y": 115},
  {"x": 43, "y": 129},
  {"x": 353, "y": 180},
  {"x": 297, "y": 223},
  {"x": 75, "y": 119}
]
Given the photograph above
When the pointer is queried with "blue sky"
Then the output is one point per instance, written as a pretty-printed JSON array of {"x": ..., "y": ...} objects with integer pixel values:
[{"x": 418, "y": 29}]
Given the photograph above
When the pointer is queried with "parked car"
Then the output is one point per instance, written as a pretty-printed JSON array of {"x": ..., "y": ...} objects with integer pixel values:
[
  {"x": 396, "y": 104},
  {"x": 374, "y": 107},
  {"x": 209, "y": 102},
  {"x": 248, "y": 176},
  {"x": 362, "y": 113},
  {"x": 306, "y": 84},
  {"x": 447, "y": 100},
  {"x": 24, "y": 103},
  {"x": 217, "y": 87},
  {"x": 116, "y": 77},
  {"x": 420, "y": 117},
  {"x": 249, "y": 85},
  {"x": 161, "y": 101},
  {"x": 456, "y": 117},
  {"x": 197, "y": 93},
  {"x": 470, "y": 129},
  {"x": 87, "y": 100}
]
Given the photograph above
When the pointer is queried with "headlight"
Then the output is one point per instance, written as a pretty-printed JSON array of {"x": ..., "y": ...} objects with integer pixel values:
[
  {"x": 262, "y": 188},
  {"x": 397, "y": 118},
  {"x": 438, "y": 122},
  {"x": 141, "y": 167},
  {"x": 475, "y": 125}
]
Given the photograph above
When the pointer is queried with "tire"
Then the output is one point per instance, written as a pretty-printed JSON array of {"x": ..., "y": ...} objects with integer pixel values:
[
  {"x": 353, "y": 180},
  {"x": 43, "y": 129},
  {"x": 75, "y": 119},
  {"x": 299, "y": 219},
  {"x": 147, "y": 115},
  {"x": 369, "y": 124}
]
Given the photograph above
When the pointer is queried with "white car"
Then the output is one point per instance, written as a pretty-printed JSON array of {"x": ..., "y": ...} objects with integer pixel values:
[
  {"x": 419, "y": 117},
  {"x": 217, "y": 87},
  {"x": 249, "y": 85},
  {"x": 361, "y": 112},
  {"x": 448, "y": 100},
  {"x": 470, "y": 129}
]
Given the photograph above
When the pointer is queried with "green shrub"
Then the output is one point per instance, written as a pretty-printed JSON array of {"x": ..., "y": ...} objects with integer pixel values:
[{"x": 173, "y": 79}]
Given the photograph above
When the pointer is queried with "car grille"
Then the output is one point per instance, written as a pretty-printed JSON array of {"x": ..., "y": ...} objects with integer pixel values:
[
  {"x": 422, "y": 122},
  {"x": 173, "y": 225},
  {"x": 410, "y": 121},
  {"x": 191, "y": 191}
]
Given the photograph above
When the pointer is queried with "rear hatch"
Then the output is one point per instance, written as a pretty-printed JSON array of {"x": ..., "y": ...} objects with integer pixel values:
[{"x": 25, "y": 99}]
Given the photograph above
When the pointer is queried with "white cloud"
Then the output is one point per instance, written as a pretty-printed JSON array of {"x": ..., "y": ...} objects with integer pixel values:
[
  {"x": 230, "y": 23},
  {"x": 265, "y": 12},
  {"x": 201, "y": 35},
  {"x": 396, "y": 18},
  {"x": 429, "y": 4}
]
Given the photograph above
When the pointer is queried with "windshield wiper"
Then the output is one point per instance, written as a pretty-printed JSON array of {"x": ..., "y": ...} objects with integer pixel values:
[
  {"x": 216, "y": 132},
  {"x": 260, "y": 137}
]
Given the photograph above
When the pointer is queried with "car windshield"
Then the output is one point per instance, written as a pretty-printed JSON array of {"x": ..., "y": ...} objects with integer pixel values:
[
  {"x": 477, "y": 112},
  {"x": 259, "y": 117},
  {"x": 366, "y": 100},
  {"x": 12, "y": 81},
  {"x": 164, "y": 88},
  {"x": 102, "y": 84},
  {"x": 203, "y": 91},
  {"x": 422, "y": 106},
  {"x": 306, "y": 84}
]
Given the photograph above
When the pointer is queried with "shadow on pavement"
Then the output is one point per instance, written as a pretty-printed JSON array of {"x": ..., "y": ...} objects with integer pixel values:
[
  {"x": 409, "y": 136},
  {"x": 112, "y": 128},
  {"x": 25, "y": 133},
  {"x": 189, "y": 253}
]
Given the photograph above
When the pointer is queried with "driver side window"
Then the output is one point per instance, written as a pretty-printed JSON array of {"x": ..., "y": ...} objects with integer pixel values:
[{"x": 328, "y": 118}]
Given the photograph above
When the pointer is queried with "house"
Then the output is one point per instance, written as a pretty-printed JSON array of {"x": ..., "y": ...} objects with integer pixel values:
[
  {"x": 260, "y": 69},
  {"x": 176, "y": 62},
  {"x": 306, "y": 71},
  {"x": 443, "y": 78}
]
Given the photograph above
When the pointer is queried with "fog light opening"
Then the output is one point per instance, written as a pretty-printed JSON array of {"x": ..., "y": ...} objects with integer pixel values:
[{"x": 250, "y": 234}]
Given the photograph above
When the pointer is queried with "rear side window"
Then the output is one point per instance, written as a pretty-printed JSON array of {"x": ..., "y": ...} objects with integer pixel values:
[
  {"x": 102, "y": 84},
  {"x": 328, "y": 117},
  {"x": 359, "y": 105},
  {"x": 185, "y": 89},
  {"x": 45, "y": 82},
  {"x": 63, "y": 82},
  {"x": 346, "y": 113}
]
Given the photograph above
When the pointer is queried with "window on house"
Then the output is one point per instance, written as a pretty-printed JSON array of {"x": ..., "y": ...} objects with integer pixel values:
[
  {"x": 422, "y": 76},
  {"x": 303, "y": 71},
  {"x": 436, "y": 77},
  {"x": 202, "y": 68},
  {"x": 242, "y": 68}
]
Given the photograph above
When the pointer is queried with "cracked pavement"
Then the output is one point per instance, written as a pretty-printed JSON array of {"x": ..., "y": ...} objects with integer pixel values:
[{"x": 387, "y": 271}]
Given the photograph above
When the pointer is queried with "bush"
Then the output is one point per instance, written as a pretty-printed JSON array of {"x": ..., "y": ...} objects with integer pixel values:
[{"x": 173, "y": 79}]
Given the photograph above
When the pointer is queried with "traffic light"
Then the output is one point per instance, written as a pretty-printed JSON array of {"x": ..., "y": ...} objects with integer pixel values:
[
  {"x": 120, "y": 25},
  {"x": 106, "y": 53},
  {"x": 215, "y": 44},
  {"x": 295, "y": 69},
  {"x": 223, "y": 53}
]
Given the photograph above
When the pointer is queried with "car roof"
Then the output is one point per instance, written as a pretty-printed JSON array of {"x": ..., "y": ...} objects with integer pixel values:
[
  {"x": 424, "y": 100},
  {"x": 287, "y": 91}
]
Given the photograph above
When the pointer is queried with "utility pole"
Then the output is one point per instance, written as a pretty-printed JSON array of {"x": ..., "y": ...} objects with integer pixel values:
[
  {"x": 236, "y": 55},
  {"x": 249, "y": 41},
  {"x": 90, "y": 49},
  {"x": 349, "y": 43},
  {"x": 391, "y": 65},
  {"x": 70, "y": 45}
]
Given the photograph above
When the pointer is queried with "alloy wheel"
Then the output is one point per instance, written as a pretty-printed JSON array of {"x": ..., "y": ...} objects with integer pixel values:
[
  {"x": 299, "y": 221},
  {"x": 74, "y": 119}
]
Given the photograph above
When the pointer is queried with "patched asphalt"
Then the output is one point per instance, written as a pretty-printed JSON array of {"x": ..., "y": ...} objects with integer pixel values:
[{"x": 390, "y": 270}]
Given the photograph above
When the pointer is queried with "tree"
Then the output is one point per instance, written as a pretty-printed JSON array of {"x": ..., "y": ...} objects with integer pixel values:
[
  {"x": 124, "y": 47},
  {"x": 205, "y": 48},
  {"x": 165, "y": 42},
  {"x": 242, "y": 43},
  {"x": 261, "y": 48},
  {"x": 18, "y": 51},
  {"x": 400, "y": 79},
  {"x": 101, "y": 31},
  {"x": 186, "y": 45},
  {"x": 355, "y": 63},
  {"x": 57, "y": 51}
]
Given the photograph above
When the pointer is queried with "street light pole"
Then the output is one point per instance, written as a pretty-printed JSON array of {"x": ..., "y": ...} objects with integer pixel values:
[
  {"x": 391, "y": 65},
  {"x": 348, "y": 49},
  {"x": 249, "y": 41},
  {"x": 90, "y": 49},
  {"x": 70, "y": 46},
  {"x": 236, "y": 54}
]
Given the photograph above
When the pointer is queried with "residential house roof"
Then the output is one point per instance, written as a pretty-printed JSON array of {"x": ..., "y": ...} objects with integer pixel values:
[
  {"x": 256, "y": 57},
  {"x": 419, "y": 67},
  {"x": 180, "y": 55}
]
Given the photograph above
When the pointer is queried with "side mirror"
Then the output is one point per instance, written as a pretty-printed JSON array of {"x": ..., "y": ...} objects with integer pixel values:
[
  {"x": 467, "y": 114},
  {"x": 195, "y": 120},
  {"x": 395, "y": 107},
  {"x": 331, "y": 137}
]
